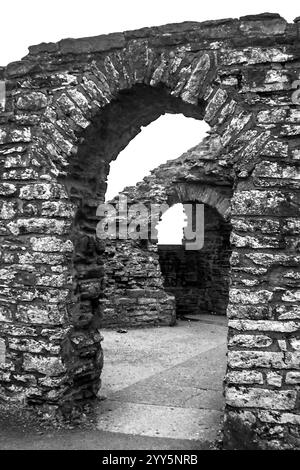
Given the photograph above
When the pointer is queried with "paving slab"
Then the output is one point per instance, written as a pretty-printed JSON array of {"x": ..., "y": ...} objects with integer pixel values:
[
  {"x": 93, "y": 440},
  {"x": 162, "y": 421},
  {"x": 171, "y": 396}
]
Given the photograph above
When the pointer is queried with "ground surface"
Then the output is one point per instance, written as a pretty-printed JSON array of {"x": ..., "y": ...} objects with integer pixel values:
[{"x": 162, "y": 389}]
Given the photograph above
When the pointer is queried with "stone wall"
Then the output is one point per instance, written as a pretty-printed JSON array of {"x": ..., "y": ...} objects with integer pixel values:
[
  {"x": 134, "y": 294},
  {"x": 71, "y": 107}
]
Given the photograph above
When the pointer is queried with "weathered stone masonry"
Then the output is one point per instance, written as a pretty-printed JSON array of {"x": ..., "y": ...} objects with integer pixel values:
[
  {"x": 138, "y": 275},
  {"x": 134, "y": 293},
  {"x": 71, "y": 107}
]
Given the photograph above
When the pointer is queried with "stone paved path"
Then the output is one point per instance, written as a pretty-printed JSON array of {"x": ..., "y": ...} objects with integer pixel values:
[
  {"x": 165, "y": 382},
  {"x": 163, "y": 390}
]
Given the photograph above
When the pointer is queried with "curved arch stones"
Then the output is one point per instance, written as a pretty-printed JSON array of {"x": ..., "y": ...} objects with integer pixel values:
[{"x": 70, "y": 108}]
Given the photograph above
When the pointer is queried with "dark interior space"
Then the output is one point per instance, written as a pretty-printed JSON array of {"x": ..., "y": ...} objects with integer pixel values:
[{"x": 199, "y": 280}]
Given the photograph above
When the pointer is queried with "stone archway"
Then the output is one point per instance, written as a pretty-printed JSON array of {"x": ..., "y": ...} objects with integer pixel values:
[
  {"x": 57, "y": 136},
  {"x": 138, "y": 282}
]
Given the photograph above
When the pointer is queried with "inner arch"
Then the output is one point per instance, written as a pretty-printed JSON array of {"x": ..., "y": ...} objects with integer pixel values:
[{"x": 199, "y": 279}]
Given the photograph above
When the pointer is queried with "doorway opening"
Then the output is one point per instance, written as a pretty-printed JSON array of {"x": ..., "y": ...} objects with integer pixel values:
[{"x": 198, "y": 279}]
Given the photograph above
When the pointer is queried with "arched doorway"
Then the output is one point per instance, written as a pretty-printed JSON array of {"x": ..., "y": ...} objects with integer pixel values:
[{"x": 199, "y": 279}]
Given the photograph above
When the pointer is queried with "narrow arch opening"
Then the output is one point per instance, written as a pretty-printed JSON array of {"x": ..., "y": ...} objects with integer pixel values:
[{"x": 198, "y": 279}]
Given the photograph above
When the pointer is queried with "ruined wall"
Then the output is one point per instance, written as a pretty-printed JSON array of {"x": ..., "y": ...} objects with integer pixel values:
[
  {"x": 134, "y": 294},
  {"x": 70, "y": 109}
]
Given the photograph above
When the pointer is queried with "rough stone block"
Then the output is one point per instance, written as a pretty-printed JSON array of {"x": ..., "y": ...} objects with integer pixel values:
[
  {"x": 262, "y": 325},
  {"x": 244, "y": 377},
  {"x": 261, "y": 398},
  {"x": 274, "y": 379},
  {"x": 43, "y": 191},
  {"x": 46, "y": 365},
  {"x": 293, "y": 378},
  {"x": 32, "y": 101},
  {"x": 250, "y": 341},
  {"x": 36, "y": 315},
  {"x": 7, "y": 189},
  {"x": 279, "y": 418},
  {"x": 251, "y": 359},
  {"x": 51, "y": 244},
  {"x": 244, "y": 296}
]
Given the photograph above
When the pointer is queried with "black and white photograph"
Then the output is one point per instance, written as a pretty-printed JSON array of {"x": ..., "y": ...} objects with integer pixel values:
[{"x": 149, "y": 229}]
